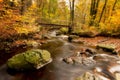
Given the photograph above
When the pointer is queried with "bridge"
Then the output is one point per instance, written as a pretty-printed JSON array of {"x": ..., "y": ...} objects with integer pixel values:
[{"x": 54, "y": 23}]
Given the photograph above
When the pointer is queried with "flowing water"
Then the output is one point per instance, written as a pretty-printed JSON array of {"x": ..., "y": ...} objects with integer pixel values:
[{"x": 56, "y": 70}]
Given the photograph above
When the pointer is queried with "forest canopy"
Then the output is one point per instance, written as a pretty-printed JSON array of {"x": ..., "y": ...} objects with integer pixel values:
[{"x": 100, "y": 15}]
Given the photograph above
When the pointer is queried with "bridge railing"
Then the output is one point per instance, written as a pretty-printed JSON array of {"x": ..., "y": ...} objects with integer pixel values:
[
  {"x": 53, "y": 21},
  {"x": 59, "y": 23}
]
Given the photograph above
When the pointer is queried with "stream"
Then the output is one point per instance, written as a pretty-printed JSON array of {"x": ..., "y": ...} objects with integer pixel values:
[{"x": 57, "y": 69}]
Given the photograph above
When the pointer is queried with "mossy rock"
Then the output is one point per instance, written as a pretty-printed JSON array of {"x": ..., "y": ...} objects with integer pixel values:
[
  {"x": 86, "y": 31},
  {"x": 64, "y": 30},
  {"x": 32, "y": 43},
  {"x": 55, "y": 44},
  {"x": 31, "y": 59},
  {"x": 107, "y": 47}
]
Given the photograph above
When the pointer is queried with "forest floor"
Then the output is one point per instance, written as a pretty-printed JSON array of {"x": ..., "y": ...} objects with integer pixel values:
[{"x": 93, "y": 42}]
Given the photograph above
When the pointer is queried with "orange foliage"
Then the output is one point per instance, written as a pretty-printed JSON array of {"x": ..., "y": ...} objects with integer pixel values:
[
  {"x": 7, "y": 33},
  {"x": 1, "y": 0}
]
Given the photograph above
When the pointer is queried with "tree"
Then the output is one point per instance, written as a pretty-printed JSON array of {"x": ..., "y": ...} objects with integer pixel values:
[
  {"x": 93, "y": 11},
  {"x": 42, "y": 7},
  {"x": 71, "y": 14},
  {"x": 82, "y": 12},
  {"x": 53, "y": 6},
  {"x": 24, "y": 5},
  {"x": 63, "y": 12},
  {"x": 103, "y": 9},
  {"x": 113, "y": 8}
]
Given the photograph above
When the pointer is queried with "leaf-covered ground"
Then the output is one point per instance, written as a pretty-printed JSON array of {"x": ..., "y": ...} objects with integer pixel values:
[{"x": 101, "y": 40}]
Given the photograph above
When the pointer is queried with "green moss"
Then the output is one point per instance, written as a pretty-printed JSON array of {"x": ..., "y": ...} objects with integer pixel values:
[
  {"x": 45, "y": 55},
  {"x": 64, "y": 30},
  {"x": 18, "y": 62},
  {"x": 110, "y": 47},
  {"x": 34, "y": 58}
]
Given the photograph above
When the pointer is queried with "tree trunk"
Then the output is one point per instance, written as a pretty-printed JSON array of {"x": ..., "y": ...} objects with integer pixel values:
[
  {"x": 114, "y": 5},
  {"x": 96, "y": 8},
  {"x": 71, "y": 15},
  {"x": 113, "y": 9},
  {"x": 22, "y": 7},
  {"x": 103, "y": 9},
  {"x": 93, "y": 11}
]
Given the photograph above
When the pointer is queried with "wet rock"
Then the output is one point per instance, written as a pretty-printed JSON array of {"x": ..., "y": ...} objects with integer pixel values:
[
  {"x": 105, "y": 57},
  {"x": 117, "y": 76},
  {"x": 46, "y": 36},
  {"x": 87, "y": 52},
  {"x": 88, "y": 62},
  {"x": 37, "y": 37},
  {"x": 68, "y": 60},
  {"x": 55, "y": 44},
  {"x": 73, "y": 60},
  {"x": 72, "y": 37},
  {"x": 88, "y": 76},
  {"x": 84, "y": 57},
  {"x": 63, "y": 30},
  {"x": 100, "y": 73},
  {"x": 31, "y": 59},
  {"x": 32, "y": 43},
  {"x": 88, "y": 33},
  {"x": 78, "y": 41},
  {"x": 90, "y": 51},
  {"x": 107, "y": 47},
  {"x": 64, "y": 37},
  {"x": 80, "y": 60},
  {"x": 117, "y": 51}
]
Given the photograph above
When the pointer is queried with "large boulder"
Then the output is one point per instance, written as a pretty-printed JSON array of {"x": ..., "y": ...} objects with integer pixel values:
[{"x": 31, "y": 59}]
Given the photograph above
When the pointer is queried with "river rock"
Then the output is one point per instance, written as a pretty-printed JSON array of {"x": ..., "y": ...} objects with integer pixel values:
[
  {"x": 88, "y": 62},
  {"x": 32, "y": 43},
  {"x": 117, "y": 76},
  {"x": 63, "y": 31},
  {"x": 88, "y": 33},
  {"x": 88, "y": 76},
  {"x": 31, "y": 59},
  {"x": 80, "y": 60},
  {"x": 107, "y": 47},
  {"x": 84, "y": 57}
]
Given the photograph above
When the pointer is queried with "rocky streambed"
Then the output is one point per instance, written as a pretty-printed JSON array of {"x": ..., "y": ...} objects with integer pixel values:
[
  {"x": 103, "y": 66},
  {"x": 71, "y": 61}
]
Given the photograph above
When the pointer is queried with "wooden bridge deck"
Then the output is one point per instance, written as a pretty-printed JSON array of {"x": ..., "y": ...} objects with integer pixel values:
[{"x": 53, "y": 25}]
